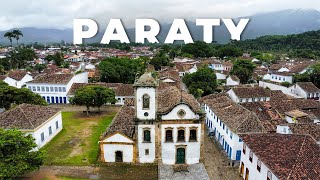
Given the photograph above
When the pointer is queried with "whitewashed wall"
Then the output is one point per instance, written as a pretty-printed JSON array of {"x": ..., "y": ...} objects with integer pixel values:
[
  {"x": 192, "y": 149},
  {"x": 173, "y": 114},
  {"x": 231, "y": 82},
  {"x": 151, "y": 91},
  {"x": 252, "y": 166},
  {"x": 297, "y": 90},
  {"x": 221, "y": 76},
  {"x": 45, "y": 129},
  {"x": 109, "y": 150},
  {"x": 281, "y": 78},
  {"x": 272, "y": 86},
  {"x": 234, "y": 143},
  {"x": 79, "y": 78},
  {"x": 144, "y": 158}
]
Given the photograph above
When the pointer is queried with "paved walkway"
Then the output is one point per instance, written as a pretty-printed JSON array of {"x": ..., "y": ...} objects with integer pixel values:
[{"x": 191, "y": 172}]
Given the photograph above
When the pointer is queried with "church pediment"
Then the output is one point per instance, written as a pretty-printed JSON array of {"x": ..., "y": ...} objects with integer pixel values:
[
  {"x": 118, "y": 137},
  {"x": 180, "y": 111}
]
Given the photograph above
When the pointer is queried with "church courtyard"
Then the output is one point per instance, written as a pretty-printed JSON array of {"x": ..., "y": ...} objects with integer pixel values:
[{"x": 77, "y": 142}]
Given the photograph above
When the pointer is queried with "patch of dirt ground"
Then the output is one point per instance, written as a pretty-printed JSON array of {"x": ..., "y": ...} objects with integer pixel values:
[
  {"x": 216, "y": 162},
  {"x": 114, "y": 171}
]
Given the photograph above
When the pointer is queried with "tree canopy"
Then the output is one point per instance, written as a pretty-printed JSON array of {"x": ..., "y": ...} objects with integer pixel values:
[
  {"x": 121, "y": 70},
  {"x": 305, "y": 45},
  {"x": 93, "y": 96},
  {"x": 11, "y": 95},
  {"x": 202, "y": 82},
  {"x": 17, "y": 156},
  {"x": 198, "y": 49},
  {"x": 312, "y": 75},
  {"x": 243, "y": 69}
]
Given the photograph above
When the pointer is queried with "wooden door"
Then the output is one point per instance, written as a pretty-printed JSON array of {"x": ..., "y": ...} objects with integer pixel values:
[{"x": 180, "y": 156}]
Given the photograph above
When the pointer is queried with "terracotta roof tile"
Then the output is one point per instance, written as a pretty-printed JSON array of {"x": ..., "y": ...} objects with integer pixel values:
[
  {"x": 309, "y": 87},
  {"x": 17, "y": 74},
  {"x": 307, "y": 128},
  {"x": 251, "y": 92},
  {"x": 123, "y": 122},
  {"x": 53, "y": 78},
  {"x": 26, "y": 116},
  {"x": 287, "y": 156},
  {"x": 236, "y": 117},
  {"x": 171, "y": 96}
]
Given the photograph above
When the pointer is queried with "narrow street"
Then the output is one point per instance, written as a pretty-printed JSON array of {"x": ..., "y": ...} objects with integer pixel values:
[{"x": 216, "y": 163}]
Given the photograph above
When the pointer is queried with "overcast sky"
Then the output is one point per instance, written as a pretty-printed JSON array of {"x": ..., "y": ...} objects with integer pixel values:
[{"x": 60, "y": 13}]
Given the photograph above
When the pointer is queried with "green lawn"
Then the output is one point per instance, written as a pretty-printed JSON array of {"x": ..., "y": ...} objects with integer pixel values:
[{"x": 77, "y": 143}]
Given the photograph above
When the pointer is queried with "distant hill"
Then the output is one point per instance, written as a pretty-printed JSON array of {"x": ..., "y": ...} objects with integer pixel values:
[{"x": 292, "y": 21}]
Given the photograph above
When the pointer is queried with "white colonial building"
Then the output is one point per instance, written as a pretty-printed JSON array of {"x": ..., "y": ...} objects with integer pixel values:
[
  {"x": 226, "y": 120},
  {"x": 306, "y": 90},
  {"x": 233, "y": 81},
  {"x": 54, "y": 87},
  {"x": 17, "y": 78},
  {"x": 275, "y": 156},
  {"x": 249, "y": 94},
  {"x": 42, "y": 122},
  {"x": 161, "y": 125}
]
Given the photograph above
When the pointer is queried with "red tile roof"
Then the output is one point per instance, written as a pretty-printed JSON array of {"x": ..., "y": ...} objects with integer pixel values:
[
  {"x": 26, "y": 116},
  {"x": 287, "y": 156}
]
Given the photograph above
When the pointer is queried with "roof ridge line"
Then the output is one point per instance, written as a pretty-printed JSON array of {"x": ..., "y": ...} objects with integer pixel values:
[
  {"x": 300, "y": 150},
  {"x": 25, "y": 116}
]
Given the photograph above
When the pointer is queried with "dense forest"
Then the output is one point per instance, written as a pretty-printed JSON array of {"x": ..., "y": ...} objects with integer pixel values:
[{"x": 305, "y": 45}]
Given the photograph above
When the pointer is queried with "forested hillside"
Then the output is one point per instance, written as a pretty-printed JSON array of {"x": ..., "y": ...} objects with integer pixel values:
[{"x": 299, "y": 45}]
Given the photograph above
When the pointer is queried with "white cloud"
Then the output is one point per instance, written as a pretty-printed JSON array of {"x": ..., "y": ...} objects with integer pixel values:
[{"x": 60, "y": 13}]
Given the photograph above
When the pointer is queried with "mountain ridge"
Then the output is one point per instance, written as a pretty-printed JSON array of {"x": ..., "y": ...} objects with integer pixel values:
[{"x": 283, "y": 22}]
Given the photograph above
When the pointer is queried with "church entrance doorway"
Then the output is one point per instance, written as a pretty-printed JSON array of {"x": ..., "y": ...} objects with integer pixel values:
[
  {"x": 180, "y": 159},
  {"x": 119, "y": 156}
]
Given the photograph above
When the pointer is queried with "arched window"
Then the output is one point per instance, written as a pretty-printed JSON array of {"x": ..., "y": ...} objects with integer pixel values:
[
  {"x": 146, "y": 136},
  {"x": 146, "y": 101}
]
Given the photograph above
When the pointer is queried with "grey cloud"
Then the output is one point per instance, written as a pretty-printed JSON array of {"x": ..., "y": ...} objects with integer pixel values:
[{"x": 60, "y": 13}]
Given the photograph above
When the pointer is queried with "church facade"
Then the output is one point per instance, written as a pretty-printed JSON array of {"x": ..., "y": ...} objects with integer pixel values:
[{"x": 161, "y": 124}]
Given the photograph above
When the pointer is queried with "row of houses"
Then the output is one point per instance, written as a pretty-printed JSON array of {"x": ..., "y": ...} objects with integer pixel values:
[{"x": 269, "y": 134}]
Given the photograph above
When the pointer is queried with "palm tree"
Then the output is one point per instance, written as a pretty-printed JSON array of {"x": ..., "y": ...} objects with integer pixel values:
[
  {"x": 9, "y": 35},
  {"x": 17, "y": 33}
]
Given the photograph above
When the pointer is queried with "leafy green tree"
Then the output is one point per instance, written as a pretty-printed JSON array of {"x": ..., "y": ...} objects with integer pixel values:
[
  {"x": 121, "y": 70},
  {"x": 17, "y": 156},
  {"x": 103, "y": 95},
  {"x": 198, "y": 49},
  {"x": 228, "y": 51},
  {"x": 20, "y": 57},
  {"x": 2, "y": 70},
  {"x": 40, "y": 67},
  {"x": 11, "y": 95},
  {"x": 10, "y": 36},
  {"x": 202, "y": 82},
  {"x": 16, "y": 34},
  {"x": 65, "y": 65},
  {"x": 84, "y": 97},
  {"x": 93, "y": 96},
  {"x": 243, "y": 69},
  {"x": 286, "y": 84},
  {"x": 315, "y": 74},
  {"x": 159, "y": 60}
]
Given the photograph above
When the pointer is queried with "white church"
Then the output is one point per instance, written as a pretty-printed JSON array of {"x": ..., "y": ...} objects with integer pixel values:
[{"x": 161, "y": 124}]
